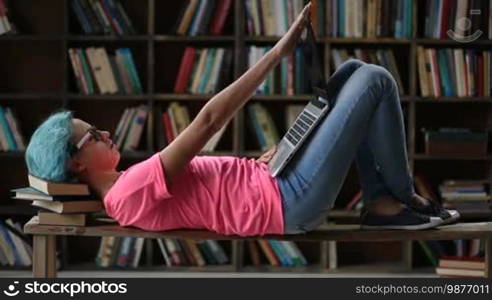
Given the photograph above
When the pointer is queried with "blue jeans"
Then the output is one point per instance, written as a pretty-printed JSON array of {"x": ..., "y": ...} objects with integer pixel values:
[{"x": 366, "y": 123}]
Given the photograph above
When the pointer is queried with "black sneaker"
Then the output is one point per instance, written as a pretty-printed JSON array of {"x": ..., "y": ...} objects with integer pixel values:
[
  {"x": 434, "y": 209},
  {"x": 406, "y": 219}
]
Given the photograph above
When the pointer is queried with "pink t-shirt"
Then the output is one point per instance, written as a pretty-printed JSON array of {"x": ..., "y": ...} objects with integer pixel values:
[{"x": 225, "y": 194}]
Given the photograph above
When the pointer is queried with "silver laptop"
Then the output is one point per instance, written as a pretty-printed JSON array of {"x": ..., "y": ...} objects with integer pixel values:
[{"x": 311, "y": 115}]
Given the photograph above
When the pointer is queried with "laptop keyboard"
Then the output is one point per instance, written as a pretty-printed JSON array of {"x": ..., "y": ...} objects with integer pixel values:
[{"x": 300, "y": 127}]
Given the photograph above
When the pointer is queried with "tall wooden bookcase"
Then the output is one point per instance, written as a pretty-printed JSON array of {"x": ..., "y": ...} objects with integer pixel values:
[{"x": 36, "y": 79}]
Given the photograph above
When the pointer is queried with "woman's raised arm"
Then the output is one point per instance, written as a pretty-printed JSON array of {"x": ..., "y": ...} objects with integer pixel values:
[{"x": 221, "y": 108}]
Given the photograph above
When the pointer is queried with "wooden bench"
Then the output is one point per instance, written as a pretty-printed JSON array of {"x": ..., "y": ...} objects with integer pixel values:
[{"x": 44, "y": 258}]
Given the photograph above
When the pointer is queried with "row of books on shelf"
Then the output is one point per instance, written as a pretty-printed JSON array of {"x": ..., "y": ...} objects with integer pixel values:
[
  {"x": 383, "y": 57},
  {"x": 461, "y": 19},
  {"x": 272, "y": 17},
  {"x": 288, "y": 78},
  {"x": 97, "y": 72},
  {"x": 454, "y": 72},
  {"x": 204, "y": 70},
  {"x": 11, "y": 138},
  {"x": 201, "y": 17},
  {"x": 102, "y": 17},
  {"x": 14, "y": 249},
  {"x": 277, "y": 253},
  {"x": 6, "y": 25},
  {"x": 333, "y": 18},
  {"x": 179, "y": 252}
]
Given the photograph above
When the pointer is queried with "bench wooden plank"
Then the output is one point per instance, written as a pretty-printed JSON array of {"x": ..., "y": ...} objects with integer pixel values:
[{"x": 351, "y": 232}]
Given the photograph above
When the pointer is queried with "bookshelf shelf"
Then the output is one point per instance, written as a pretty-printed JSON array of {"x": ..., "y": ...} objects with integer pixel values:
[
  {"x": 30, "y": 96},
  {"x": 12, "y": 154},
  {"x": 453, "y": 100},
  {"x": 108, "y": 38}
]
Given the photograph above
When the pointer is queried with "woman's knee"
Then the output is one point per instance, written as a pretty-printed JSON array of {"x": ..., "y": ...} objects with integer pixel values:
[{"x": 352, "y": 64}]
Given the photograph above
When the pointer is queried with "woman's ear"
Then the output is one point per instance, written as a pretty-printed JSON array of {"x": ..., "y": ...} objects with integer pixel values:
[{"x": 76, "y": 166}]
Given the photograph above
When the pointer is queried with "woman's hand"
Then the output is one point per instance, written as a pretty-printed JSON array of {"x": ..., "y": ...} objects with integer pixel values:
[
  {"x": 288, "y": 42},
  {"x": 267, "y": 156}
]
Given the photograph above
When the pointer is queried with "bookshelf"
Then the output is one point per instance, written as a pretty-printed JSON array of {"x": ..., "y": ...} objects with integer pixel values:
[{"x": 36, "y": 78}]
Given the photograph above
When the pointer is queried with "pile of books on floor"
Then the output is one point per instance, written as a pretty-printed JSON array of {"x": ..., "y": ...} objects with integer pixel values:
[
  {"x": 466, "y": 196},
  {"x": 204, "y": 70},
  {"x": 102, "y": 17},
  {"x": 174, "y": 120},
  {"x": 277, "y": 253},
  {"x": 14, "y": 250},
  {"x": 11, "y": 138},
  {"x": 96, "y": 72},
  {"x": 60, "y": 203},
  {"x": 198, "y": 17}
]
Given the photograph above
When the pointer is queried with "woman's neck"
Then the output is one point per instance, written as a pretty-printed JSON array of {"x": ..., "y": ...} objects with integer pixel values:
[{"x": 102, "y": 181}]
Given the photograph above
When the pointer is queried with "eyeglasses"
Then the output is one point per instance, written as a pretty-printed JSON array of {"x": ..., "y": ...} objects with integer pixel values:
[{"x": 92, "y": 132}]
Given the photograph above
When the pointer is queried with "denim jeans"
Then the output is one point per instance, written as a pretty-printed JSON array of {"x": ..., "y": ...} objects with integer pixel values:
[{"x": 365, "y": 124}]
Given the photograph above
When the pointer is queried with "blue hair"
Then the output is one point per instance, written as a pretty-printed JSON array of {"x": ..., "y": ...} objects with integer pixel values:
[{"x": 47, "y": 154}]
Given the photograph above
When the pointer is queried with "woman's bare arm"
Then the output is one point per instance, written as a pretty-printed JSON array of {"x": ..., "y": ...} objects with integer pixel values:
[{"x": 219, "y": 110}]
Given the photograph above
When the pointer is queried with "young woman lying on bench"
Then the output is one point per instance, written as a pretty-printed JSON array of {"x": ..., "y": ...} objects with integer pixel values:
[{"x": 177, "y": 188}]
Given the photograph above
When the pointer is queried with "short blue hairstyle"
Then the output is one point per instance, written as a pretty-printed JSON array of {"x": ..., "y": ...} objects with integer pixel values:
[{"x": 48, "y": 152}]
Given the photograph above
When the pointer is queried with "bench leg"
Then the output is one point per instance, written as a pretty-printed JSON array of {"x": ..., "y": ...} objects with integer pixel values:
[
  {"x": 44, "y": 256},
  {"x": 488, "y": 258}
]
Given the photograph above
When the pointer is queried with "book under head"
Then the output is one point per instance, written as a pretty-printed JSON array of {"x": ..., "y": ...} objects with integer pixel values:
[{"x": 58, "y": 188}]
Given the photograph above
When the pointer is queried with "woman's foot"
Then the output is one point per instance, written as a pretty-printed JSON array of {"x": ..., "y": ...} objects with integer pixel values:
[
  {"x": 388, "y": 213},
  {"x": 433, "y": 208}
]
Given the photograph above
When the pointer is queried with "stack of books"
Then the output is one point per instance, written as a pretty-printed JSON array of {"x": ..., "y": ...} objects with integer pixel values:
[
  {"x": 466, "y": 196},
  {"x": 60, "y": 203},
  {"x": 455, "y": 141},
  {"x": 452, "y": 72},
  {"x": 97, "y": 72},
  {"x": 177, "y": 252},
  {"x": 130, "y": 128},
  {"x": 199, "y": 17},
  {"x": 204, "y": 71},
  {"x": 288, "y": 78},
  {"x": 11, "y": 138},
  {"x": 174, "y": 120},
  {"x": 6, "y": 25},
  {"x": 14, "y": 251},
  {"x": 102, "y": 17},
  {"x": 455, "y": 266}
]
